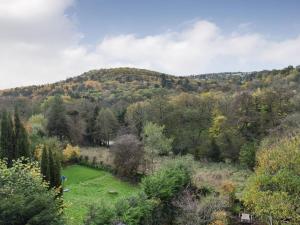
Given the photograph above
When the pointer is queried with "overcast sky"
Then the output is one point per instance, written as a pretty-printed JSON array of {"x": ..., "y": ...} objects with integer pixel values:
[{"x": 49, "y": 40}]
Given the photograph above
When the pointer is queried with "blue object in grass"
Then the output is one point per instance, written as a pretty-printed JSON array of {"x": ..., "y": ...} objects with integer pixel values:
[{"x": 63, "y": 178}]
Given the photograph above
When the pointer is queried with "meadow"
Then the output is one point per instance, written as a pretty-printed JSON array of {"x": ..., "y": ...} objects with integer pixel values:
[{"x": 89, "y": 186}]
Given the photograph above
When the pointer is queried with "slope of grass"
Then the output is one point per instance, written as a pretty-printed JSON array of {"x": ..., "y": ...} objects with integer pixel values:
[{"x": 90, "y": 187}]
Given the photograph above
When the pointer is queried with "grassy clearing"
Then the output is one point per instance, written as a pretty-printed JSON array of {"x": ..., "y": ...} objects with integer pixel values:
[{"x": 91, "y": 187}]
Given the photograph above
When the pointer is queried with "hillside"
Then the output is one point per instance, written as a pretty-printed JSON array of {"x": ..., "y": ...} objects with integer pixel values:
[
  {"x": 131, "y": 84},
  {"x": 132, "y": 121}
]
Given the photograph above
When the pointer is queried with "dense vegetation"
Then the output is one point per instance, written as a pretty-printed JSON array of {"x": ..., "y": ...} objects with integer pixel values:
[{"x": 146, "y": 117}]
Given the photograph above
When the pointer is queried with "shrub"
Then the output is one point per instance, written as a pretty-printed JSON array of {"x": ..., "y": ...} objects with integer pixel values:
[
  {"x": 167, "y": 182},
  {"x": 220, "y": 218},
  {"x": 25, "y": 198},
  {"x": 71, "y": 154},
  {"x": 136, "y": 210},
  {"x": 103, "y": 214},
  {"x": 191, "y": 211}
]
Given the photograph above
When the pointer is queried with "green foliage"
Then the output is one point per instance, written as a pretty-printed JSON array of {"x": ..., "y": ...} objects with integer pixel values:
[
  {"x": 106, "y": 126},
  {"x": 136, "y": 116},
  {"x": 45, "y": 167},
  {"x": 274, "y": 190},
  {"x": 7, "y": 138},
  {"x": 37, "y": 129},
  {"x": 51, "y": 167},
  {"x": 248, "y": 155},
  {"x": 136, "y": 210},
  {"x": 21, "y": 142},
  {"x": 103, "y": 214},
  {"x": 25, "y": 198},
  {"x": 57, "y": 120},
  {"x": 91, "y": 187},
  {"x": 155, "y": 142},
  {"x": 167, "y": 182}
]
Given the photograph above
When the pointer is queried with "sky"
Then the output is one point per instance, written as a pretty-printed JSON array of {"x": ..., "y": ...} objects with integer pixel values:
[{"x": 44, "y": 41}]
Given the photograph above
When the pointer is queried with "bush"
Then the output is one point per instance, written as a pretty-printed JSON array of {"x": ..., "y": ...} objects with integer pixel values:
[
  {"x": 167, "y": 182},
  {"x": 191, "y": 211},
  {"x": 71, "y": 154},
  {"x": 103, "y": 214},
  {"x": 25, "y": 198},
  {"x": 136, "y": 210},
  {"x": 148, "y": 207}
]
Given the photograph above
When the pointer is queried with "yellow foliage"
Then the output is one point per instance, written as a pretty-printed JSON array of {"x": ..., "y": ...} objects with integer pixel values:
[
  {"x": 38, "y": 152},
  {"x": 71, "y": 153},
  {"x": 93, "y": 85},
  {"x": 220, "y": 218},
  {"x": 228, "y": 187}
]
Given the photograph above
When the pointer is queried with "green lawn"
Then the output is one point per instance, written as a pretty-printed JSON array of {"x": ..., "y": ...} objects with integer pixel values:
[{"x": 89, "y": 186}]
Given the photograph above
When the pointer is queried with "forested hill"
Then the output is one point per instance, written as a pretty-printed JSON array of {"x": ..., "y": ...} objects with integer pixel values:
[
  {"x": 108, "y": 84},
  {"x": 120, "y": 87},
  {"x": 133, "y": 84}
]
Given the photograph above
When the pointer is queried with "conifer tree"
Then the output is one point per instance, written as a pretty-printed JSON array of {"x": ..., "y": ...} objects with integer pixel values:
[
  {"x": 21, "y": 142},
  {"x": 45, "y": 170},
  {"x": 54, "y": 167},
  {"x": 7, "y": 138}
]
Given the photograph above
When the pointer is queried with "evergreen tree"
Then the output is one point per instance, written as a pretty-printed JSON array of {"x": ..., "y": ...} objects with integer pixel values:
[
  {"x": 7, "y": 138},
  {"x": 45, "y": 169},
  {"x": 54, "y": 167},
  {"x": 21, "y": 143},
  {"x": 57, "y": 119}
]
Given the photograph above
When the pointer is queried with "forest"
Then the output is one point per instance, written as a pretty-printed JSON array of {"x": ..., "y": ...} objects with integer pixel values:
[{"x": 199, "y": 149}]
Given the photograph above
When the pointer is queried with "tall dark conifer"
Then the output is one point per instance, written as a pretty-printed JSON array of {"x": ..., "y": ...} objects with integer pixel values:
[
  {"x": 7, "y": 138},
  {"x": 55, "y": 168},
  {"x": 21, "y": 143},
  {"x": 45, "y": 169}
]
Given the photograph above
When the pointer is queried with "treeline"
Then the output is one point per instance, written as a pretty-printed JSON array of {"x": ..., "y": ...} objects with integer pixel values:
[{"x": 225, "y": 123}]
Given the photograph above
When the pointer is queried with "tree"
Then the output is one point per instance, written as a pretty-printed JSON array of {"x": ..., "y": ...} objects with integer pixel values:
[
  {"x": 165, "y": 185},
  {"x": 214, "y": 153},
  {"x": 128, "y": 155},
  {"x": 91, "y": 126},
  {"x": 274, "y": 189},
  {"x": 57, "y": 120},
  {"x": 7, "y": 138},
  {"x": 106, "y": 125},
  {"x": 25, "y": 198},
  {"x": 55, "y": 170},
  {"x": 45, "y": 168},
  {"x": 136, "y": 116},
  {"x": 21, "y": 142},
  {"x": 155, "y": 142},
  {"x": 51, "y": 167},
  {"x": 248, "y": 154}
]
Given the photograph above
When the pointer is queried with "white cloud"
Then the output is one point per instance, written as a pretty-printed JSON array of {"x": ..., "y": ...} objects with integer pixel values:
[{"x": 39, "y": 44}]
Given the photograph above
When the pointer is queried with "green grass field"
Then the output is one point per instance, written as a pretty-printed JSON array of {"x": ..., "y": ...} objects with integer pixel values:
[{"x": 90, "y": 187}]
